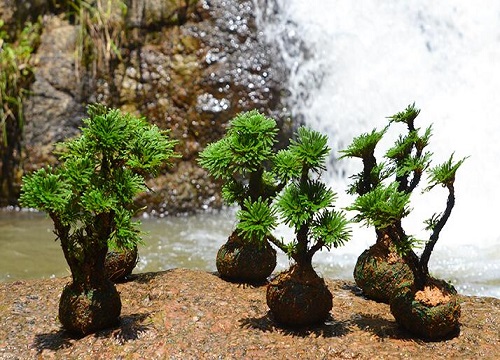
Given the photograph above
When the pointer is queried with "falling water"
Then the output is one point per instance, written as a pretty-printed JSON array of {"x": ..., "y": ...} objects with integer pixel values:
[{"x": 353, "y": 63}]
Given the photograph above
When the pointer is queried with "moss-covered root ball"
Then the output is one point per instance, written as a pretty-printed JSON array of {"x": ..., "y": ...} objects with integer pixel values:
[
  {"x": 240, "y": 261},
  {"x": 120, "y": 263},
  {"x": 430, "y": 314},
  {"x": 83, "y": 313},
  {"x": 379, "y": 271},
  {"x": 299, "y": 298}
]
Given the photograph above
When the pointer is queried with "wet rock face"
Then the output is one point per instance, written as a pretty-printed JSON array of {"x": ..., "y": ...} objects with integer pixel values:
[
  {"x": 54, "y": 110},
  {"x": 187, "y": 66}
]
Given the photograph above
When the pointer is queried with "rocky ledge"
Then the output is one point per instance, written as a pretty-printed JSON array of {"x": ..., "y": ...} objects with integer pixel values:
[{"x": 187, "y": 314}]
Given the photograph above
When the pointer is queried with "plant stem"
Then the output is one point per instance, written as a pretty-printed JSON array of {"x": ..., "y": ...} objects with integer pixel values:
[
  {"x": 279, "y": 244},
  {"x": 367, "y": 184},
  {"x": 424, "y": 258},
  {"x": 255, "y": 184}
]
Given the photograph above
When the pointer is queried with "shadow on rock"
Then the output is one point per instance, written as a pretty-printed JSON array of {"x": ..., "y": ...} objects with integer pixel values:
[
  {"x": 379, "y": 326},
  {"x": 330, "y": 328},
  {"x": 131, "y": 327},
  {"x": 52, "y": 341}
]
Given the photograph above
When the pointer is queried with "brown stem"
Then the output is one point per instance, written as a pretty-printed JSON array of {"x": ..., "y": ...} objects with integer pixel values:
[
  {"x": 368, "y": 183},
  {"x": 426, "y": 254},
  {"x": 279, "y": 244}
]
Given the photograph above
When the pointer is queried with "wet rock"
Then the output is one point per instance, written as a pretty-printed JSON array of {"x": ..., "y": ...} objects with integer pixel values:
[
  {"x": 54, "y": 109},
  {"x": 187, "y": 66}
]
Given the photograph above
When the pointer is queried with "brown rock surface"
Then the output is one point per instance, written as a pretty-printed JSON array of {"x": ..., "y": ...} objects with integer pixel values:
[{"x": 187, "y": 314}]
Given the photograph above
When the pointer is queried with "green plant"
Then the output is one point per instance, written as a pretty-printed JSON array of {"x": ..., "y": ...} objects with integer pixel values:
[
  {"x": 299, "y": 296},
  {"x": 15, "y": 77},
  {"x": 242, "y": 160},
  {"x": 89, "y": 198},
  {"x": 384, "y": 191},
  {"x": 306, "y": 204}
]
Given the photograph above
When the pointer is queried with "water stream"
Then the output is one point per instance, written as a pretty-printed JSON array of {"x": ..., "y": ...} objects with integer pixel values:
[{"x": 28, "y": 251}]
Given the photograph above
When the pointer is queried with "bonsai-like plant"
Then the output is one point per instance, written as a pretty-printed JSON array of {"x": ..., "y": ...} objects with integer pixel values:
[
  {"x": 298, "y": 296},
  {"x": 420, "y": 303},
  {"x": 241, "y": 159},
  {"x": 89, "y": 197},
  {"x": 380, "y": 269}
]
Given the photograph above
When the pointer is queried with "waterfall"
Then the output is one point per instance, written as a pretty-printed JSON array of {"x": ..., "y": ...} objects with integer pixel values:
[{"x": 354, "y": 63}]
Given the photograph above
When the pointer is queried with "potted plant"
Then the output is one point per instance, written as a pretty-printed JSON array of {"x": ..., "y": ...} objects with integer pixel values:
[
  {"x": 242, "y": 160},
  {"x": 380, "y": 269},
  {"x": 390, "y": 270},
  {"x": 89, "y": 197},
  {"x": 429, "y": 307},
  {"x": 298, "y": 296}
]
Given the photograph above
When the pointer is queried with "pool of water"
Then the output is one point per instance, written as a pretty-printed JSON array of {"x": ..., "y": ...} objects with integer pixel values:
[{"x": 28, "y": 250}]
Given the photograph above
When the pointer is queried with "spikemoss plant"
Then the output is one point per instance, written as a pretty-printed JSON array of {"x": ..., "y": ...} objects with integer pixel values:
[
  {"x": 242, "y": 160},
  {"x": 384, "y": 191},
  {"x": 89, "y": 197},
  {"x": 298, "y": 296}
]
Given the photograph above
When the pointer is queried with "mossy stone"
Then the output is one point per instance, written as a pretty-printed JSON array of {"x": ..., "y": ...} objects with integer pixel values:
[
  {"x": 299, "y": 297},
  {"x": 429, "y": 322},
  {"x": 83, "y": 313},
  {"x": 241, "y": 261},
  {"x": 379, "y": 271},
  {"x": 120, "y": 263}
]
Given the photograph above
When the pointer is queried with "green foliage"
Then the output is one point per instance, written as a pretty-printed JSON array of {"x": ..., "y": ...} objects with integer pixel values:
[
  {"x": 15, "y": 75},
  {"x": 363, "y": 145},
  {"x": 247, "y": 145},
  {"x": 286, "y": 165},
  {"x": 257, "y": 220},
  {"x": 301, "y": 201},
  {"x": 403, "y": 165},
  {"x": 100, "y": 173},
  {"x": 47, "y": 191},
  {"x": 403, "y": 146},
  {"x": 306, "y": 204},
  {"x": 377, "y": 174},
  {"x": 431, "y": 223},
  {"x": 285, "y": 188},
  {"x": 444, "y": 174},
  {"x": 242, "y": 158},
  {"x": 310, "y": 149},
  {"x": 413, "y": 164},
  {"x": 384, "y": 189},
  {"x": 382, "y": 207},
  {"x": 101, "y": 31},
  {"x": 217, "y": 158},
  {"x": 407, "y": 116},
  {"x": 331, "y": 227}
]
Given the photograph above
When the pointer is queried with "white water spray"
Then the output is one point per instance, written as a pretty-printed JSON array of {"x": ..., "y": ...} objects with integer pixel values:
[{"x": 369, "y": 59}]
